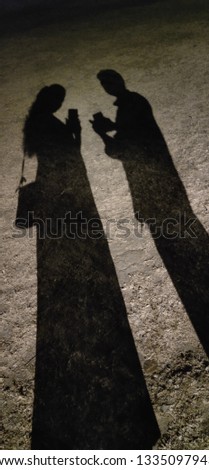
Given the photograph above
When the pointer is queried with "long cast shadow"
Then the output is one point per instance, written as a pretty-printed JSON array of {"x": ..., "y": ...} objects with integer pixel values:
[
  {"x": 159, "y": 197},
  {"x": 90, "y": 391}
]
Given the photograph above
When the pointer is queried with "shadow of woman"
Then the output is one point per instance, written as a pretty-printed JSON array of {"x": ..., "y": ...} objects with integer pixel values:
[
  {"x": 90, "y": 391},
  {"x": 159, "y": 197}
]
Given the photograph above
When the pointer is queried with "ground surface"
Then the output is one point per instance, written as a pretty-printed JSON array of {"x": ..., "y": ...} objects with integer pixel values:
[{"x": 161, "y": 52}]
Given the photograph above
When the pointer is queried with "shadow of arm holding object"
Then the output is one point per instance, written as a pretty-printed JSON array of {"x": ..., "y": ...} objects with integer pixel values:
[{"x": 113, "y": 147}]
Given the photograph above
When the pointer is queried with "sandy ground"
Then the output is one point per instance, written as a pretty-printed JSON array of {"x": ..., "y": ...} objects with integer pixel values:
[{"x": 160, "y": 50}]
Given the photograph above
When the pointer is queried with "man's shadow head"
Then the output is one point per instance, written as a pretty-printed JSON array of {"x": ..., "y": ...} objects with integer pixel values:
[
  {"x": 112, "y": 82},
  {"x": 49, "y": 99}
]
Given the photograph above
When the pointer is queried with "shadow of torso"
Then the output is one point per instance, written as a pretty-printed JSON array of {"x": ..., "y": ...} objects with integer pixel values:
[{"x": 90, "y": 391}]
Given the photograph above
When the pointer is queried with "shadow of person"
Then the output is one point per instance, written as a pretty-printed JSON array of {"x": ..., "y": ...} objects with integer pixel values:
[
  {"x": 90, "y": 391},
  {"x": 159, "y": 197}
]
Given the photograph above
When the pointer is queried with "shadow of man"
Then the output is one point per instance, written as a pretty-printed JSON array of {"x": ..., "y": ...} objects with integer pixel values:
[
  {"x": 159, "y": 197},
  {"x": 90, "y": 391}
]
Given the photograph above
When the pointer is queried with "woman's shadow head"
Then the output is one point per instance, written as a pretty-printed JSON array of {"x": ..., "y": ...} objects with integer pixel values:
[
  {"x": 49, "y": 99},
  {"x": 39, "y": 119}
]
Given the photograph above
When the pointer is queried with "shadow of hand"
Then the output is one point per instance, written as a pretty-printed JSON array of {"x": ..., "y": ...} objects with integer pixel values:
[{"x": 101, "y": 124}]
